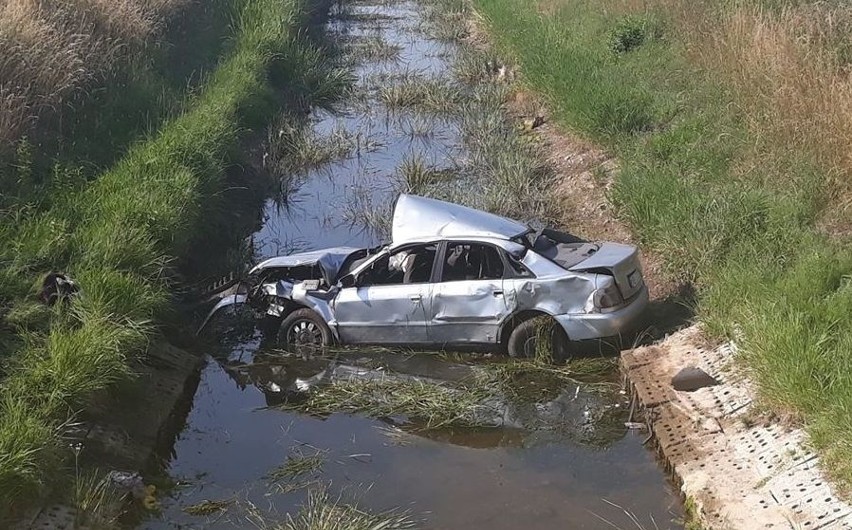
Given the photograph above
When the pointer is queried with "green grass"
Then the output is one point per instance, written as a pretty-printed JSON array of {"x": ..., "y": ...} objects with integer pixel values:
[
  {"x": 478, "y": 400},
  {"x": 97, "y": 502},
  {"x": 321, "y": 512},
  {"x": 743, "y": 232},
  {"x": 297, "y": 465},
  {"x": 433, "y": 404},
  {"x": 434, "y": 95},
  {"x": 115, "y": 236},
  {"x": 413, "y": 175},
  {"x": 373, "y": 48},
  {"x": 293, "y": 147}
]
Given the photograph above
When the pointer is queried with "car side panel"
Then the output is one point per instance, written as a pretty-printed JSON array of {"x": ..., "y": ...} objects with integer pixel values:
[
  {"x": 565, "y": 294},
  {"x": 468, "y": 311},
  {"x": 383, "y": 314}
]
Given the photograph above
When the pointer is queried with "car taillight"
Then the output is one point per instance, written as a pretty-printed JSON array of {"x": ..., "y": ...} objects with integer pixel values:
[{"x": 605, "y": 297}]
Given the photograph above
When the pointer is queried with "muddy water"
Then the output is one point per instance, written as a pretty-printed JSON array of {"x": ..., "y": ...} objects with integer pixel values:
[{"x": 555, "y": 456}]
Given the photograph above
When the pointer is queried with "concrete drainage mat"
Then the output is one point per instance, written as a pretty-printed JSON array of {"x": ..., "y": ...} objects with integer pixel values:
[{"x": 739, "y": 474}]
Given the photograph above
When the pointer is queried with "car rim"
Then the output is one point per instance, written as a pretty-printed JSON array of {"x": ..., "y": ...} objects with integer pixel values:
[{"x": 304, "y": 333}]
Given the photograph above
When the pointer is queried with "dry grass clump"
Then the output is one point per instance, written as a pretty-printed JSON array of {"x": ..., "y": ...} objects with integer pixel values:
[
  {"x": 51, "y": 50},
  {"x": 790, "y": 67},
  {"x": 298, "y": 464}
]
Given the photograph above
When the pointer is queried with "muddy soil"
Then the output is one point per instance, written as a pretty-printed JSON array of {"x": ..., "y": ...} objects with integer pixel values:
[{"x": 540, "y": 448}]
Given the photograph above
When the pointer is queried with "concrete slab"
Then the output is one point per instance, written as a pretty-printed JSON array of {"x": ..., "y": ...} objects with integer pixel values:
[
  {"x": 121, "y": 428},
  {"x": 55, "y": 517},
  {"x": 739, "y": 474}
]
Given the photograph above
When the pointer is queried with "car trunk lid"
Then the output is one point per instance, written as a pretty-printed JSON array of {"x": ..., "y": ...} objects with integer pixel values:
[{"x": 621, "y": 261}]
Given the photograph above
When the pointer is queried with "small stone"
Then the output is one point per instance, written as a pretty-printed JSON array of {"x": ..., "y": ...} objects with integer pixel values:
[{"x": 532, "y": 123}]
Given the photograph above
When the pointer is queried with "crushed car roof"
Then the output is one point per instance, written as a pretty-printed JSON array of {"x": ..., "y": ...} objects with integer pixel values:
[{"x": 418, "y": 217}]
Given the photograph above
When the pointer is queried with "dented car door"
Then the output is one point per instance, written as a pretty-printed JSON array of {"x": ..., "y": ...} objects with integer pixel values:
[
  {"x": 468, "y": 301},
  {"x": 390, "y": 302}
]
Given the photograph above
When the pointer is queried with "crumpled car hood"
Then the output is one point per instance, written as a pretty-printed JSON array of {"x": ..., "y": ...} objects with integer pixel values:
[
  {"x": 418, "y": 217},
  {"x": 329, "y": 260}
]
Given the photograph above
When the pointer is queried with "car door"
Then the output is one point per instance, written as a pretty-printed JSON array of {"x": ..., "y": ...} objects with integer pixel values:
[
  {"x": 468, "y": 302},
  {"x": 390, "y": 301}
]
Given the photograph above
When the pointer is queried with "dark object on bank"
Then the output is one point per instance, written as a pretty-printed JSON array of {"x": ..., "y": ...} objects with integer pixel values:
[
  {"x": 56, "y": 286},
  {"x": 691, "y": 378}
]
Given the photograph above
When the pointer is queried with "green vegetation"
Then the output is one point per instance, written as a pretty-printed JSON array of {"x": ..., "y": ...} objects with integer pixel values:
[
  {"x": 320, "y": 512},
  {"x": 728, "y": 126},
  {"x": 435, "y": 95},
  {"x": 434, "y": 404},
  {"x": 298, "y": 464},
  {"x": 118, "y": 237},
  {"x": 294, "y": 147},
  {"x": 373, "y": 48},
  {"x": 96, "y": 501},
  {"x": 476, "y": 400},
  {"x": 413, "y": 175},
  {"x": 692, "y": 516}
]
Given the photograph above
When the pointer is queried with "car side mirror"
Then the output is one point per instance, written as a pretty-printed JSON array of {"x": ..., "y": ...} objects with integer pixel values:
[{"x": 348, "y": 280}]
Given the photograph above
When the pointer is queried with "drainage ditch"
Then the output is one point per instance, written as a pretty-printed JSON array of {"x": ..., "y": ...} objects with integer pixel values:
[{"x": 421, "y": 439}]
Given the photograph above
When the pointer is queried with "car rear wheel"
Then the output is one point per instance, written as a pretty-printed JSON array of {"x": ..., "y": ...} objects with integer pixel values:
[
  {"x": 304, "y": 331},
  {"x": 541, "y": 338}
]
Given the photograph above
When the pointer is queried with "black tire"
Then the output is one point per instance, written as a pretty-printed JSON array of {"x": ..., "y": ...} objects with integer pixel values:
[
  {"x": 303, "y": 331},
  {"x": 523, "y": 340}
]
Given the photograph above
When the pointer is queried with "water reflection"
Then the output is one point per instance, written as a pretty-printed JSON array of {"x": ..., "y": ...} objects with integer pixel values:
[{"x": 535, "y": 404}]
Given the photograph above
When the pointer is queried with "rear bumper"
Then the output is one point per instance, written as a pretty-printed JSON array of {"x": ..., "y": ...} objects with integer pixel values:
[{"x": 583, "y": 326}]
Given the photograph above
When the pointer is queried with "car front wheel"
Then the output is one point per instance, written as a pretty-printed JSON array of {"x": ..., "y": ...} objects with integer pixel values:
[{"x": 303, "y": 331}]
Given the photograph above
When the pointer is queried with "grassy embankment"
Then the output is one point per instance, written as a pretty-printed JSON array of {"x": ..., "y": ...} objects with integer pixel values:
[
  {"x": 53, "y": 51},
  {"x": 117, "y": 236},
  {"x": 80, "y": 80},
  {"x": 732, "y": 125}
]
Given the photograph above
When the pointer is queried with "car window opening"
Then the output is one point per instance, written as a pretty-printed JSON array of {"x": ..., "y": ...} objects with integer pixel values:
[
  {"x": 465, "y": 261},
  {"x": 408, "y": 266},
  {"x": 356, "y": 259},
  {"x": 518, "y": 268}
]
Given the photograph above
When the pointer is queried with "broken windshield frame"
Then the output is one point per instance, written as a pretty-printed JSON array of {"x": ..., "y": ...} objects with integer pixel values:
[{"x": 524, "y": 239}]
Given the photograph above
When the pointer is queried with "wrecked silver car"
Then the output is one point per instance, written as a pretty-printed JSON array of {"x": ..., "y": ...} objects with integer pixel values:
[{"x": 452, "y": 276}]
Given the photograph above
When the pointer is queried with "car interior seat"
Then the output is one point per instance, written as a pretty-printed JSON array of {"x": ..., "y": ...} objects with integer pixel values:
[
  {"x": 456, "y": 266},
  {"x": 419, "y": 268}
]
